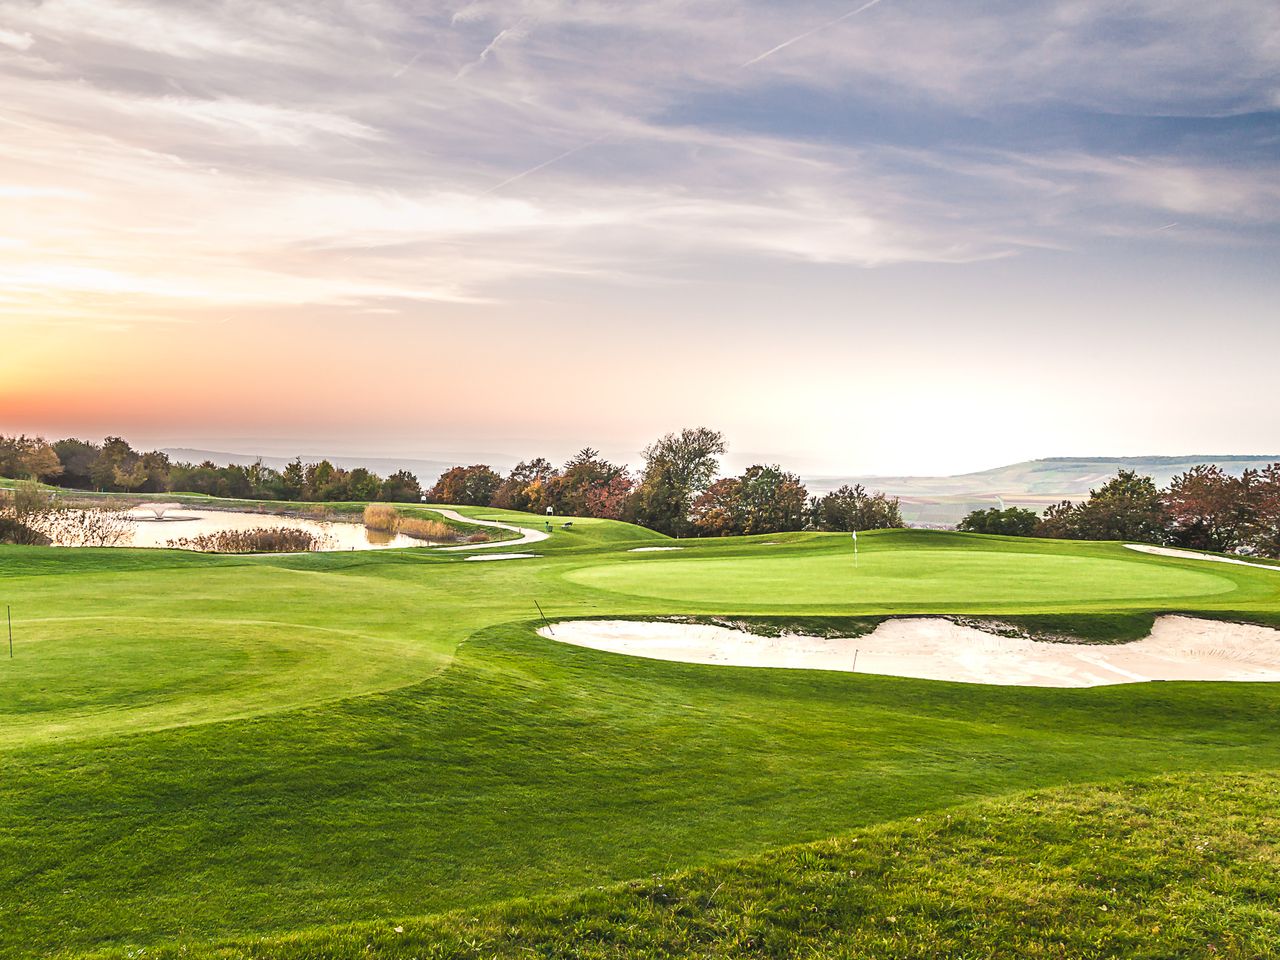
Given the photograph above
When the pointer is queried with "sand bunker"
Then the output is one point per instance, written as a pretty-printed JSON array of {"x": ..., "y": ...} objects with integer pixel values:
[
  {"x": 504, "y": 556},
  {"x": 1193, "y": 555},
  {"x": 652, "y": 549},
  {"x": 1179, "y": 648}
]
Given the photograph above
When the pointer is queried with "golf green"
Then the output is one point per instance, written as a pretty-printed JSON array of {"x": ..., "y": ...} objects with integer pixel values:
[{"x": 905, "y": 577}]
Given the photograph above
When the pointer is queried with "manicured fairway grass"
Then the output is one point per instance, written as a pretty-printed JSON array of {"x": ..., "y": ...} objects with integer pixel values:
[{"x": 200, "y": 748}]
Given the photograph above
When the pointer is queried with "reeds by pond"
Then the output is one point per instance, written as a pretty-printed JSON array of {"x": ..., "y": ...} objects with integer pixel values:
[
  {"x": 386, "y": 518},
  {"x": 267, "y": 540},
  {"x": 421, "y": 529}
]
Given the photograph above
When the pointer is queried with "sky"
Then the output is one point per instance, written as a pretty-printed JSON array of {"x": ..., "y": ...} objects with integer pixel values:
[{"x": 900, "y": 236}]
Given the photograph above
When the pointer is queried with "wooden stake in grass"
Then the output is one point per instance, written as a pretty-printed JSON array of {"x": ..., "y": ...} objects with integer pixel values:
[
  {"x": 8, "y": 615},
  {"x": 544, "y": 618}
]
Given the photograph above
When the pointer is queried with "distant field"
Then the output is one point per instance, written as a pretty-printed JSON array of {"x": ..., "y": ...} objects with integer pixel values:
[
  {"x": 201, "y": 750},
  {"x": 1033, "y": 484}
]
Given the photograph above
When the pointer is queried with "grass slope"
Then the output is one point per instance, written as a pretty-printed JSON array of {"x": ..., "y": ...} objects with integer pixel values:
[
  {"x": 197, "y": 748},
  {"x": 1171, "y": 867}
]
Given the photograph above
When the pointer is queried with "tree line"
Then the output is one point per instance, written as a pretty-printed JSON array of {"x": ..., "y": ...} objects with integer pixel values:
[
  {"x": 1205, "y": 508},
  {"x": 115, "y": 466},
  {"x": 678, "y": 491}
]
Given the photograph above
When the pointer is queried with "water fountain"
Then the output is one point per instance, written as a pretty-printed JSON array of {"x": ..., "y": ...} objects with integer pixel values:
[{"x": 158, "y": 510}]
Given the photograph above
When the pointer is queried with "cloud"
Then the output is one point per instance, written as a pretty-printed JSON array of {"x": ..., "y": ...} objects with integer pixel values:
[
  {"x": 175, "y": 154},
  {"x": 16, "y": 41}
]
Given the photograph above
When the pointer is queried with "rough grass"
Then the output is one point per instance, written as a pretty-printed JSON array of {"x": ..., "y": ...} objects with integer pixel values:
[{"x": 1170, "y": 867}]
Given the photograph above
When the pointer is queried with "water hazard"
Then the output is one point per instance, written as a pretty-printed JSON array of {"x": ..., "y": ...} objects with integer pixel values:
[{"x": 176, "y": 523}]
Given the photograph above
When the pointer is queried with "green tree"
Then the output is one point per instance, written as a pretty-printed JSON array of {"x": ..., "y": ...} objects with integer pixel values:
[
  {"x": 1010, "y": 522},
  {"x": 76, "y": 457},
  {"x": 1127, "y": 507},
  {"x": 853, "y": 508},
  {"x": 363, "y": 485},
  {"x": 401, "y": 487},
  {"x": 678, "y": 468},
  {"x": 294, "y": 478}
]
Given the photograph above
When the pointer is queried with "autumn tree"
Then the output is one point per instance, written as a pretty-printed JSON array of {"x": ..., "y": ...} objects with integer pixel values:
[
  {"x": 678, "y": 468},
  {"x": 526, "y": 486},
  {"x": 588, "y": 484},
  {"x": 473, "y": 485},
  {"x": 1262, "y": 535},
  {"x": 717, "y": 512},
  {"x": 611, "y": 500},
  {"x": 28, "y": 458},
  {"x": 1208, "y": 509}
]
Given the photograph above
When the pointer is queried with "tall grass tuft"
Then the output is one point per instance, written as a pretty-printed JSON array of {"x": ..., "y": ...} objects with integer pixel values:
[
  {"x": 429, "y": 530},
  {"x": 382, "y": 516}
]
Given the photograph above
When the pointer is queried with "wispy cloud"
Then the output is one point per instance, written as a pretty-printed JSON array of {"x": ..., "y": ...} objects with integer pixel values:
[
  {"x": 809, "y": 33},
  {"x": 506, "y": 36}
]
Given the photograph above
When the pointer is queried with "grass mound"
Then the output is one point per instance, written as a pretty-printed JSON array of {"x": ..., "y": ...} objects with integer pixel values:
[{"x": 1170, "y": 867}]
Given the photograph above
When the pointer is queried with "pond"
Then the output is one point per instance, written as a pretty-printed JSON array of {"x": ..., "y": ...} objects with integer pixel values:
[{"x": 182, "y": 523}]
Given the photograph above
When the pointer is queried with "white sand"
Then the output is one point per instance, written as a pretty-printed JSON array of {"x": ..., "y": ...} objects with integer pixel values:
[
  {"x": 1179, "y": 648},
  {"x": 503, "y": 556},
  {"x": 1194, "y": 555},
  {"x": 652, "y": 549}
]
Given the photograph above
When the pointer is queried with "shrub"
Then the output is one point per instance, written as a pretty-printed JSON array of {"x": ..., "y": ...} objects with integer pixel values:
[
  {"x": 269, "y": 540},
  {"x": 17, "y": 532},
  {"x": 93, "y": 526}
]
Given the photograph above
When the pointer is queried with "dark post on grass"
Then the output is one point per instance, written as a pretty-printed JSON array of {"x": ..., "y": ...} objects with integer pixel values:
[{"x": 544, "y": 618}]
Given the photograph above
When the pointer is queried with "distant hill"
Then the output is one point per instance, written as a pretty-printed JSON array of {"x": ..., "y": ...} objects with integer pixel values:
[{"x": 943, "y": 501}]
